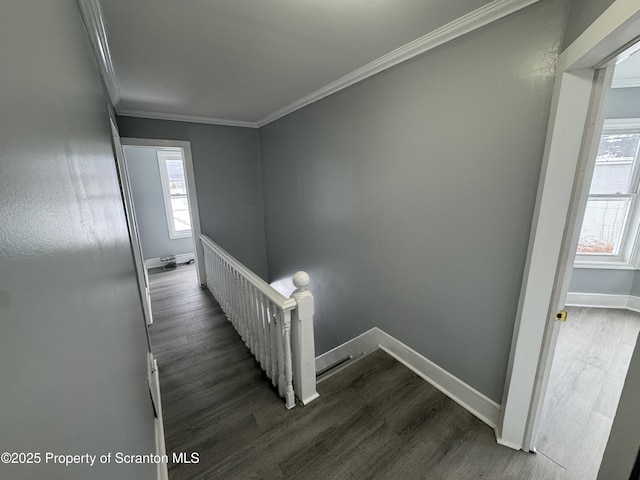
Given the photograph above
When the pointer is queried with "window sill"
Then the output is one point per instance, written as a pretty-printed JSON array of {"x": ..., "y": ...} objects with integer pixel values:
[
  {"x": 604, "y": 265},
  {"x": 178, "y": 237}
]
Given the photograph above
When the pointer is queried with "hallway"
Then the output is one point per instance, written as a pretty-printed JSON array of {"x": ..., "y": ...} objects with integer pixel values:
[{"x": 375, "y": 419}]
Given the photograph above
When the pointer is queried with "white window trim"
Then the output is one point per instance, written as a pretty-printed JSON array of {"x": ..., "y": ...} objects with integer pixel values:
[
  {"x": 629, "y": 257},
  {"x": 163, "y": 156}
]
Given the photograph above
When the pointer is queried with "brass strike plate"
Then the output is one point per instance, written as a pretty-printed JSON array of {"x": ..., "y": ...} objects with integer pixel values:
[{"x": 561, "y": 316}]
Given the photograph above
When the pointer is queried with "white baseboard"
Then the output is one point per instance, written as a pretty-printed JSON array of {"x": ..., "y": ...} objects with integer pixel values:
[
  {"x": 162, "y": 472},
  {"x": 603, "y": 300},
  {"x": 633, "y": 304},
  {"x": 155, "y": 262},
  {"x": 464, "y": 395},
  {"x": 363, "y": 344}
]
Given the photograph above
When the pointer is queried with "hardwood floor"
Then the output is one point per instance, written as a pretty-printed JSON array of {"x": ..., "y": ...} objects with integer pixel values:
[
  {"x": 374, "y": 420},
  {"x": 588, "y": 372}
]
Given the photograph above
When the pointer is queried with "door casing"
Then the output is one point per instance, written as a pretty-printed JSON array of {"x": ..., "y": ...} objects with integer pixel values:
[{"x": 573, "y": 120}]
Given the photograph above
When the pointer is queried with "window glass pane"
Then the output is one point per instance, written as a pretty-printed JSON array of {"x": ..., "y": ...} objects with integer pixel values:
[
  {"x": 177, "y": 184},
  {"x": 179, "y": 203},
  {"x": 615, "y": 147},
  {"x": 611, "y": 178},
  {"x": 614, "y": 163},
  {"x": 603, "y": 224},
  {"x": 181, "y": 221}
]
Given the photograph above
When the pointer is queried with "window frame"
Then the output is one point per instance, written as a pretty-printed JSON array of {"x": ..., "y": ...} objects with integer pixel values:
[
  {"x": 163, "y": 157},
  {"x": 629, "y": 256}
]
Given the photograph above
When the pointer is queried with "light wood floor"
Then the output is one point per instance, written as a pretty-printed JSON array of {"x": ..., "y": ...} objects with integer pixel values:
[
  {"x": 589, "y": 368},
  {"x": 375, "y": 419}
]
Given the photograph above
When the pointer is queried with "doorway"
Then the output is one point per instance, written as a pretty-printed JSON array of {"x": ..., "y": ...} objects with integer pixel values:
[
  {"x": 573, "y": 134},
  {"x": 164, "y": 200},
  {"x": 595, "y": 346}
]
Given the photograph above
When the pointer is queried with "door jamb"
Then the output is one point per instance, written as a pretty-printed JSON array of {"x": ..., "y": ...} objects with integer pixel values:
[
  {"x": 191, "y": 193},
  {"x": 552, "y": 232},
  {"x": 141, "y": 272}
]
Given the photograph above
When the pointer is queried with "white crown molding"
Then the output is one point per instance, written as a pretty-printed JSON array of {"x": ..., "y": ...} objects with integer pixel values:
[
  {"x": 185, "y": 118},
  {"x": 94, "y": 23},
  {"x": 495, "y": 10},
  {"x": 478, "y": 18}
]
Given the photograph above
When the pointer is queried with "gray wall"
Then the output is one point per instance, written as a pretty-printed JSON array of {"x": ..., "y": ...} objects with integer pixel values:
[
  {"x": 409, "y": 197},
  {"x": 596, "y": 280},
  {"x": 622, "y": 103},
  {"x": 148, "y": 202},
  {"x": 619, "y": 103},
  {"x": 581, "y": 15},
  {"x": 73, "y": 345},
  {"x": 226, "y": 163},
  {"x": 624, "y": 441}
]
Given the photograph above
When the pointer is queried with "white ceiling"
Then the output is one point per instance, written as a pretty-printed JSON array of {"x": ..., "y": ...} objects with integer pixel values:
[{"x": 243, "y": 60}]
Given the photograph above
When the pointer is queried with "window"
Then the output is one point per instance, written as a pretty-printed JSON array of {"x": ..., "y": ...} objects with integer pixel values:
[
  {"x": 610, "y": 225},
  {"x": 174, "y": 188}
]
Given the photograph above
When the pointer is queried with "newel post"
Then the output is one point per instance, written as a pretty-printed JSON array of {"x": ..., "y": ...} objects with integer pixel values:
[{"x": 304, "y": 363}]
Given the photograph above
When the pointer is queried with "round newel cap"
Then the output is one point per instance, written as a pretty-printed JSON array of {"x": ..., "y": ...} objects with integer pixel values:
[{"x": 301, "y": 279}]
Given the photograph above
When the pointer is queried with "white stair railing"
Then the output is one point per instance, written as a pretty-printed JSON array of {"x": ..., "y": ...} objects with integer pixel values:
[{"x": 277, "y": 330}]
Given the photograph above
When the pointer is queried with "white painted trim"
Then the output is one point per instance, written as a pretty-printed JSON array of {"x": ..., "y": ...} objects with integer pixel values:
[
  {"x": 164, "y": 156},
  {"x": 464, "y": 395},
  {"x": 136, "y": 246},
  {"x": 603, "y": 300},
  {"x": 467, "y": 23},
  {"x": 553, "y": 227},
  {"x": 161, "y": 445},
  {"x": 608, "y": 35},
  {"x": 191, "y": 189},
  {"x": 124, "y": 112},
  {"x": 478, "y": 18},
  {"x": 597, "y": 300},
  {"x": 94, "y": 23},
  {"x": 156, "y": 262},
  {"x": 363, "y": 344},
  {"x": 633, "y": 303},
  {"x": 603, "y": 265}
]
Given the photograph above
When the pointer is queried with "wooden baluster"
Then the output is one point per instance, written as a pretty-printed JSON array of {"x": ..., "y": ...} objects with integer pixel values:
[
  {"x": 264, "y": 315},
  {"x": 280, "y": 350},
  {"x": 235, "y": 292},
  {"x": 257, "y": 321},
  {"x": 273, "y": 328},
  {"x": 246, "y": 313},
  {"x": 225, "y": 290},
  {"x": 254, "y": 325},
  {"x": 227, "y": 293},
  {"x": 220, "y": 286},
  {"x": 237, "y": 305},
  {"x": 215, "y": 262},
  {"x": 260, "y": 322},
  {"x": 288, "y": 369}
]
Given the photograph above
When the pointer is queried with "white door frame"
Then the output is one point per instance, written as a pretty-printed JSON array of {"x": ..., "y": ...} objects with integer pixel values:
[
  {"x": 554, "y": 221},
  {"x": 141, "y": 271},
  {"x": 191, "y": 192}
]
